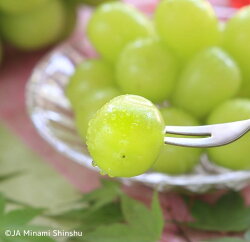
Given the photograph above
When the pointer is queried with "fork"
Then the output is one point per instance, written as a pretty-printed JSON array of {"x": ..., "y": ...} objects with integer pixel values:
[{"x": 215, "y": 134}]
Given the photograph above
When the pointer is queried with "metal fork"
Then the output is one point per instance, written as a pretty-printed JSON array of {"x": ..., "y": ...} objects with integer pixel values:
[{"x": 215, "y": 135}]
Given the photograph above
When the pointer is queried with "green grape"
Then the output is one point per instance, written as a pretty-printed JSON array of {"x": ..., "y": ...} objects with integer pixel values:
[
  {"x": 236, "y": 155},
  {"x": 209, "y": 79},
  {"x": 88, "y": 106},
  {"x": 70, "y": 19},
  {"x": 148, "y": 69},
  {"x": 114, "y": 25},
  {"x": 96, "y": 2},
  {"x": 125, "y": 136},
  {"x": 20, "y": 6},
  {"x": 89, "y": 75},
  {"x": 187, "y": 26},
  {"x": 236, "y": 42},
  {"x": 34, "y": 29},
  {"x": 176, "y": 159}
]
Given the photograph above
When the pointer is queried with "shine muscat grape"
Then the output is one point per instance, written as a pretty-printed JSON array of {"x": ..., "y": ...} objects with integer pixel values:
[
  {"x": 236, "y": 41},
  {"x": 236, "y": 155},
  {"x": 175, "y": 159},
  {"x": 89, "y": 75},
  {"x": 125, "y": 136},
  {"x": 187, "y": 26},
  {"x": 89, "y": 104},
  {"x": 34, "y": 29},
  {"x": 208, "y": 79},
  {"x": 147, "y": 68},
  {"x": 114, "y": 25},
  {"x": 20, "y": 6}
]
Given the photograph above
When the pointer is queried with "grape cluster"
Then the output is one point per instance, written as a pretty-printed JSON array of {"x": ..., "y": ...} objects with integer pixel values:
[{"x": 184, "y": 61}]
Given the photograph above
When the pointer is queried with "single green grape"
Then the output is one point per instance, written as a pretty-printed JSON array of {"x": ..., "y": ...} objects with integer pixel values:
[
  {"x": 114, "y": 25},
  {"x": 88, "y": 106},
  {"x": 97, "y": 2},
  {"x": 70, "y": 19},
  {"x": 34, "y": 29},
  {"x": 236, "y": 155},
  {"x": 236, "y": 41},
  {"x": 89, "y": 75},
  {"x": 125, "y": 136},
  {"x": 20, "y": 6},
  {"x": 175, "y": 159},
  {"x": 146, "y": 68},
  {"x": 187, "y": 26},
  {"x": 209, "y": 79}
]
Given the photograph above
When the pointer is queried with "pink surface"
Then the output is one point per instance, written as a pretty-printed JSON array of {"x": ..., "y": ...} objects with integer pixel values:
[{"x": 14, "y": 74}]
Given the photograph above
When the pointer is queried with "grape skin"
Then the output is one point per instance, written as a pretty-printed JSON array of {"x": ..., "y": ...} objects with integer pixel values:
[
  {"x": 114, "y": 25},
  {"x": 88, "y": 75},
  {"x": 146, "y": 68},
  {"x": 236, "y": 41},
  {"x": 125, "y": 136},
  {"x": 89, "y": 104},
  {"x": 236, "y": 155},
  {"x": 70, "y": 22},
  {"x": 20, "y": 6},
  {"x": 186, "y": 33},
  {"x": 36, "y": 29},
  {"x": 175, "y": 159},
  {"x": 209, "y": 79}
]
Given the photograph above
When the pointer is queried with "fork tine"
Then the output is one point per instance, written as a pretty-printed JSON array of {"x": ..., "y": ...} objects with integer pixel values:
[
  {"x": 189, "y": 130},
  {"x": 190, "y": 142}
]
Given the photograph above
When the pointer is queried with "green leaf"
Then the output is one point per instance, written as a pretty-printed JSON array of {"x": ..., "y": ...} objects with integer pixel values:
[
  {"x": 100, "y": 203},
  {"x": 89, "y": 220},
  {"x": 143, "y": 225},
  {"x": 134, "y": 212},
  {"x": 40, "y": 239},
  {"x": 117, "y": 233},
  {"x": 108, "y": 214},
  {"x": 15, "y": 202},
  {"x": 75, "y": 214},
  {"x": 109, "y": 191},
  {"x": 27, "y": 239},
  {"x": 137, "y": 215},
  {"x": 2, "y": 205},
  {"x": 228, "y": 214},
  {"x": 9, "y": 176},
  {"x": 20, "y": 216},
  {"x": 226, "y": 239},
  {"x": 157, "y": 214}
]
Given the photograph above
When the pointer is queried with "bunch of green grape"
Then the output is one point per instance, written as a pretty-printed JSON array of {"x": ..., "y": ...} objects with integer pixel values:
[
  {"x": 34, "y": 24},
  {"x": 179, "y": 67}
]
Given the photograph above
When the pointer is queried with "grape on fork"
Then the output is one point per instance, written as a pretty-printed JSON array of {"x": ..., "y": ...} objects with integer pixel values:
[{"x": 215, "y": 134}]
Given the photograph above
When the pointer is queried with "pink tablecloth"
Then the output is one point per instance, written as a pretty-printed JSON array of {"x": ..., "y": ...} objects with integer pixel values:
[{"x": 14, "y": 72}]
